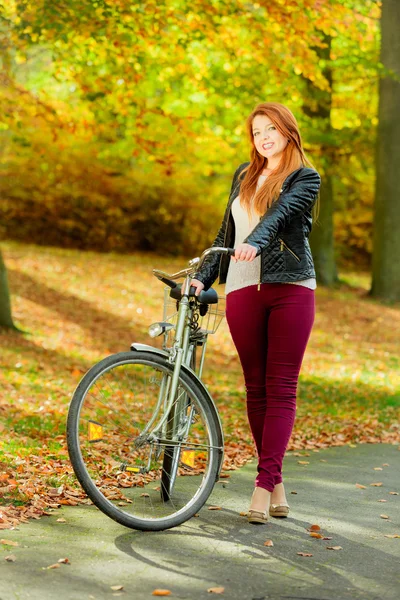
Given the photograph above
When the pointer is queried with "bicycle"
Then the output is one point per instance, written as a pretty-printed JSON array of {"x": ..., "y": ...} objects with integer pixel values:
[{"x": 144, "y": 436}]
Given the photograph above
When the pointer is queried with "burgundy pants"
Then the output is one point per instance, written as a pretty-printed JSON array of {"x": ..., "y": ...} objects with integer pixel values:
[{"x": 270, "y": 328}]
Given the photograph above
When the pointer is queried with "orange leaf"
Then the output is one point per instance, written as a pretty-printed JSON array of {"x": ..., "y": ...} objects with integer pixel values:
[
  {"x": 361, "y": 487},
  {"x": 376, "y": 484},
  {"x": 161, "y": 593},
  {"x": 214, "y": 508},
  {"x": 303, "y": 462},
  {"x": 384, "y": 517},
  {"x": 315, "y": 528},
  {"x": 392, "y": 535},
  {"x": 9, "y": 543},
  {"x": 394, "y": 493},
  {"x": 216, "y": 590},
  {"x": 316, "y": 535},
  {"x": 55, "y": 566},
  {"x": 304, "y": 553},
  {"x": 65, "y": 561},
  {"x": 268, "y": 543}
]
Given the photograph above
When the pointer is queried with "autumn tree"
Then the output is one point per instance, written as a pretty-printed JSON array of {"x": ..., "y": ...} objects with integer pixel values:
[
  {"x": 386, "y": 239},
  {"x": 318, "y": 104},
  {"x": 5, "y": 306}
]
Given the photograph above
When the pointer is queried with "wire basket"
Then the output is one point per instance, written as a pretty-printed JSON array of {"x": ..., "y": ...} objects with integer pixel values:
[{"x": 209, "y": 323}]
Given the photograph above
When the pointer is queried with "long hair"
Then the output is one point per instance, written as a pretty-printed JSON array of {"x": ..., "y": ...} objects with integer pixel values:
[{"x": 293, "y": 157}]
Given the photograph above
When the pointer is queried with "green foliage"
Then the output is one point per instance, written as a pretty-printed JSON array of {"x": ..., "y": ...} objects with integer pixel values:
[{"x": 102, "y": 95}]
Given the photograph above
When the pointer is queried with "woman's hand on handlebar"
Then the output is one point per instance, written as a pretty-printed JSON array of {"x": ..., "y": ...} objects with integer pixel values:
[
  {"x": 198, "y": 285},
  {"x": 245, "y": 252}
]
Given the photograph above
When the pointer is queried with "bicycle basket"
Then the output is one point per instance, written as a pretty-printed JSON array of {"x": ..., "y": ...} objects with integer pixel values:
[{"x": 208, "y": 323}]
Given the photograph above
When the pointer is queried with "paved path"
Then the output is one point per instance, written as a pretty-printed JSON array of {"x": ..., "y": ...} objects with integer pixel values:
[{"x": 221, "y": 549}]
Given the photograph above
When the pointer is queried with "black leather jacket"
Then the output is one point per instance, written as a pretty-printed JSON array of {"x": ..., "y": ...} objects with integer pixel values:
[{"x": 281, "y": 236}]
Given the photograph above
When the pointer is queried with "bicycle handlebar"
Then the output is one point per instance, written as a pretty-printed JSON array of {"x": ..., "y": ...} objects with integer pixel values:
[{"x": 195, "y": 265}]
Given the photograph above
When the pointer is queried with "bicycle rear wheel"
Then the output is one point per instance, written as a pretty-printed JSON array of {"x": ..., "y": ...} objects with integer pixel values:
[{"x": 118, "y": 456}]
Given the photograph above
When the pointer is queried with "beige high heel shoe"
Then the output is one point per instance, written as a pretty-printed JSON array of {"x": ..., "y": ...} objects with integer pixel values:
[
  {"x": 279, "y": 510},
  {"x": 256, "y": 516}
]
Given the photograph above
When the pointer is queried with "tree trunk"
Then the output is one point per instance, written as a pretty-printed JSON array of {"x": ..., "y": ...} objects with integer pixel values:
[
  {"x": 321, "y": 238},
  {"x": 5, "y": 306},
  {"x": 386, "y": 236}
]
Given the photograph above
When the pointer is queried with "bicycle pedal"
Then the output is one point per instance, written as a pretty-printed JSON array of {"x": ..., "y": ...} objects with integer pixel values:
[{"x": 128, "y": 469}]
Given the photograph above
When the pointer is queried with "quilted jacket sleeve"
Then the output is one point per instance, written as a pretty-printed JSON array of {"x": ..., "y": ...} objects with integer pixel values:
[
  {"x": 209, "y": 271},
  {"x": 299, "y": 198}
]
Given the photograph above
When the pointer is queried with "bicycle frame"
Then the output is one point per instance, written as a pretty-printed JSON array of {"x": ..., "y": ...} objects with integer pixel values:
[{"x": 180, "y": 353}]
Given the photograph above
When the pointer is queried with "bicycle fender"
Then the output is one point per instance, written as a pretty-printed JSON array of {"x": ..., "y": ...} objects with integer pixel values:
[{"x": 146, "y": 348}]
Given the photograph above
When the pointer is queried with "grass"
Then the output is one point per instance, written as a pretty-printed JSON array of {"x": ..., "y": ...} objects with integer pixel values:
[{"x": 77, "y": 307}]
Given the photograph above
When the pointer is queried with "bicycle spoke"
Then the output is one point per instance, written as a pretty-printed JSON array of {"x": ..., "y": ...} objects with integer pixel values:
[{"x": 148, "y": 473}]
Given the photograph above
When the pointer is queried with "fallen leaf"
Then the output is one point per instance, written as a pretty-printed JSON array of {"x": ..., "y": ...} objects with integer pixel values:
[
  {"x": 361, "y": 487},
  {"x": 314, "y": 534},
  {"x": 268, "y": 543},
  {"x": 322, "y": 460},
  {"x": 61, "y": 520},
  {"x": 378, "y": 469},
  {"x": 376, "y": 484},
  {"x": 224, "y": 475},
  {"x": 304, "y": 553},
  {"x": 392, "y": 535},
  {"x": 382, "y": 500},
  {"x": 334, "y": 548},
  {"x": 12, "y": 557},
  {"x": 293, "y": 492},
  {"x": 385, "y": 465},
  {"x": 117, "y": 588},
  {"x": 161, "y": 593},
  {"x": 394, "y": 493},
  {"x": 196, "y": 515},
  {"x": 384, "y": 516},
  {"x": 327, "y": 537},
  {"x": 314, "y": 528},
  {"x": 214, "y": 508},
  {"x": 145, "y": 495},
  {"x": 64, "y": 561},
  {"x": 303, "y": 462},
  {"x": 9, "y": 543},
  {"x": 216, "y": 590},
  {"x": 55, "y": 566},
  {"x": 243, "y": 513}
]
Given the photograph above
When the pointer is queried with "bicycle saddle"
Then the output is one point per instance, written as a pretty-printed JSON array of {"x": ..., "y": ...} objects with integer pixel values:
[{"x": 208, "y": 297}]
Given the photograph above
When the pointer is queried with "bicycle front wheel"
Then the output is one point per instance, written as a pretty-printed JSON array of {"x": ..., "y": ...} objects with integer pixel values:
[{"x": 119, "y": 434}]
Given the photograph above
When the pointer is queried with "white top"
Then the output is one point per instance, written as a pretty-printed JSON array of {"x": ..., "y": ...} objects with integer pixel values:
[{"x": 242, "y": 274}]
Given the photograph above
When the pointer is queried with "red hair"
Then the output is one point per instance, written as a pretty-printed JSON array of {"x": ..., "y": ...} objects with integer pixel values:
[{"x": 293, "y": 158}]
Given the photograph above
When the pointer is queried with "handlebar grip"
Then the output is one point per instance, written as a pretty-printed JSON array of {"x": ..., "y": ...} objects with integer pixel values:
[{"x": 230, "y": 251}]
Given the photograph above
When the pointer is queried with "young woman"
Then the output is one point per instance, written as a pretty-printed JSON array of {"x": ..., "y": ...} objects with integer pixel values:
[{"x": 270, "y": 283}]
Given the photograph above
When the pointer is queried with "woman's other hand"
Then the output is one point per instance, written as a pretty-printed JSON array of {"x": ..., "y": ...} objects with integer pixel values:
[
  {"x": 198, "y": 285},
  {"x": 245, "y": 252}
]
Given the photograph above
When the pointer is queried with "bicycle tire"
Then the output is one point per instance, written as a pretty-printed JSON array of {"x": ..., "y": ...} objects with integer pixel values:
[{"x": 88, "y": 455}]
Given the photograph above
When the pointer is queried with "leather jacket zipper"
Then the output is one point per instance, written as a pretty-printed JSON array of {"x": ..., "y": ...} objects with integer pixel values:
[{"x": 284, "y": 245}]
